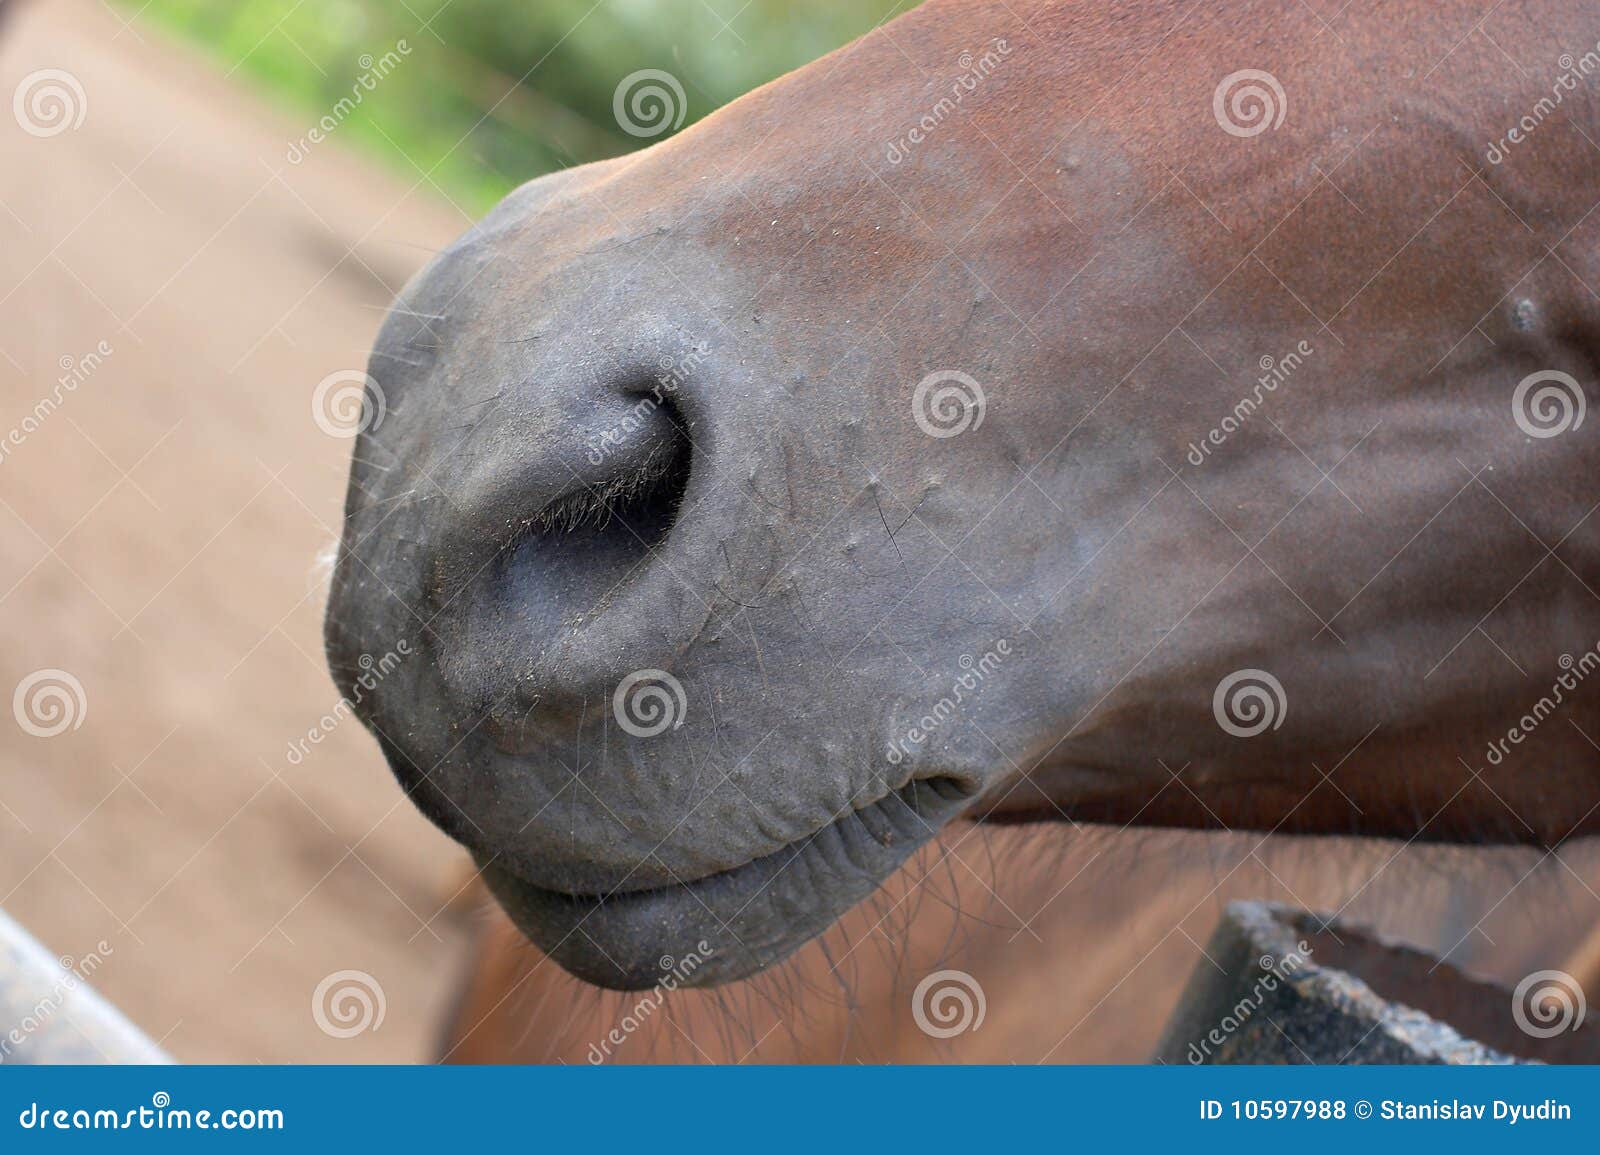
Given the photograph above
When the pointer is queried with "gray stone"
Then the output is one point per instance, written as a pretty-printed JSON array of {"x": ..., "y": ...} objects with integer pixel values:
[{"x": 1290, "y": 986}]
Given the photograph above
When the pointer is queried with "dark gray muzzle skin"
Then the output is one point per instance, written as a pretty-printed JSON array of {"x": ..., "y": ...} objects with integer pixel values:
[{"x": 902, "y": 488}]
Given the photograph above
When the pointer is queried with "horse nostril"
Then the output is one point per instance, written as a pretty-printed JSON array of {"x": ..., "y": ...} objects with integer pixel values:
[
  {"x": 541, "y": 555},
  {"x": 636, "y": 503},
  {"x": 570, "y": 552}
]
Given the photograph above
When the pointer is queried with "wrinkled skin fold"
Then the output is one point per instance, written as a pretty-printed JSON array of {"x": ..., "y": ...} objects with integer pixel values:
[{"x": 661, "y": 416}]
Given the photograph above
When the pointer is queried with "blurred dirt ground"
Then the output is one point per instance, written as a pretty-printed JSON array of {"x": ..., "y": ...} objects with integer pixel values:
[
  {"x": 157, "y": 536},
  {"x": 157, "y": 540}
]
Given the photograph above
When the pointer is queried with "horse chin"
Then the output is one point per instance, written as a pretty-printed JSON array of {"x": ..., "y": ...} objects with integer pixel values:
[{"x": 735, "y": 923}]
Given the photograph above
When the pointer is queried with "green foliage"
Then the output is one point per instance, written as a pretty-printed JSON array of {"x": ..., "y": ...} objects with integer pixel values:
[{"x": 487, "y": 94}]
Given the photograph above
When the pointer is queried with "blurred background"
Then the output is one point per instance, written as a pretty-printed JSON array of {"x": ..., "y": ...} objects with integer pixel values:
[
  {"x": 205, "y": 208},
  {"x": 493, "y": 92}
]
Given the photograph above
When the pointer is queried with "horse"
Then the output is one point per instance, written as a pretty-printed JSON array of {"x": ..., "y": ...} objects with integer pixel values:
[{"x": 1150, "y": 415}]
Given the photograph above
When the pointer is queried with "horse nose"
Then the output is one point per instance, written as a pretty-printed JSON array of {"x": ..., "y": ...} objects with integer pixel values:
[{"x": 558, "y": 520}]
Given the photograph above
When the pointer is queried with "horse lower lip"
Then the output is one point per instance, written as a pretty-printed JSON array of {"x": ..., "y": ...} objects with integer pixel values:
[{"x": 737, "y": 921}]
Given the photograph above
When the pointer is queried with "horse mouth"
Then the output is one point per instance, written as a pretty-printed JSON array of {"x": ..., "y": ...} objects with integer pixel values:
[{"x": 729, "y": 925}]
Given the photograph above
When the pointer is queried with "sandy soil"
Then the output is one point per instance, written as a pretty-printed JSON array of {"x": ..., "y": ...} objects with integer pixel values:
[
  {"x": 157, "y": 537},
  {"x": 157, "y": 531}
]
